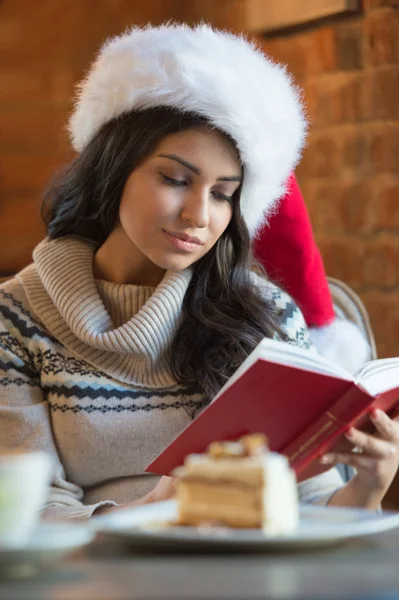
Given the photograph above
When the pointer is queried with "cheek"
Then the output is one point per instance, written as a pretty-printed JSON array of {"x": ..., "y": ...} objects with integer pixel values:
[
  {"x": 148, "y": 205},
  {"x": 128, "y": 215},
  {"x": 221, "y": 219},
  {"x": 135, "y": 213}
]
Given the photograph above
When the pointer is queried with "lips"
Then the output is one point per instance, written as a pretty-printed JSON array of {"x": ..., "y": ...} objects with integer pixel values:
[{"x": 186, "y": 238}]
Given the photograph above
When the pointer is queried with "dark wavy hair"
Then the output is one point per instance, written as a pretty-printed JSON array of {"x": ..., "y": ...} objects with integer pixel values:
[{"x": 224, "y": 314}]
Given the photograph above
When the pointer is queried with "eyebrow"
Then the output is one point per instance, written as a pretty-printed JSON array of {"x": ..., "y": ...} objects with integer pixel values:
[{"x": 196, "y": 170}]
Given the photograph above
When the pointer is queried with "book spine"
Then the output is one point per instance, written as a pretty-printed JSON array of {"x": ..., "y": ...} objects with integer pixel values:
[{"x": 322, "y": 434}]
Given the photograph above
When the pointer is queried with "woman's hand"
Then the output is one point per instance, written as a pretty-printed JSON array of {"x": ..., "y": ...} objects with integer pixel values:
[
  {"x": 164, "y": 490},
  {"x": 376, "y": 462}
]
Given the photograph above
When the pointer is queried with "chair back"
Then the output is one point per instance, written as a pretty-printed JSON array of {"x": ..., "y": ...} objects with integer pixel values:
[{"x": 349, "y": 306}]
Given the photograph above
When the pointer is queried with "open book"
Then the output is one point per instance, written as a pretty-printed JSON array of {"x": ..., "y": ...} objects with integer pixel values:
[{"x": 299, "y": 399}]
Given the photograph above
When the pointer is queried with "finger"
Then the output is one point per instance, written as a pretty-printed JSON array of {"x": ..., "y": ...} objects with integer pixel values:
[
  {"x": 344, "y": 445},
  {"x": 370, "y": 445},
  {"x": 358, "y": 461},
  {"x": 385, "y": 426}
]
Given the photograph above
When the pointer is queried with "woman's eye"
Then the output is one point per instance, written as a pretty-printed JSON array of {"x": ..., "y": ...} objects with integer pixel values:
[
  {"x": 172, "y": 181},
  {"x": 223, "y": 197}
]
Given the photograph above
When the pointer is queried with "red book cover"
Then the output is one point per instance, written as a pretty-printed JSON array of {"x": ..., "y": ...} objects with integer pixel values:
[
  {"x": 301, "y": 412},
  {"x": 350, "y": 410}
]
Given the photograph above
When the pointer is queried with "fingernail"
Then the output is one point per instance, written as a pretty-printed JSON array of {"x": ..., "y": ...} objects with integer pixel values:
[
  {"x": 327, "y": 459},
  {"x": 375, "y": 414},
  {"x": 349, "y": 433}
]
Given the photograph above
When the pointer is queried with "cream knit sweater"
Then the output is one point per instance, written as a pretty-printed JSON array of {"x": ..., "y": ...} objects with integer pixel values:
[{"x": 84, "y": 376}]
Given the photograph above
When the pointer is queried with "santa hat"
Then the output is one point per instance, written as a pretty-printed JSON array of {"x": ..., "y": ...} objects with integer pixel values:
[
  {"x": 212, "y": 73},
  {"x": 287, "y": 249}
]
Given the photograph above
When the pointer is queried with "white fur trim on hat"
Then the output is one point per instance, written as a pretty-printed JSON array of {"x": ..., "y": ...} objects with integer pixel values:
[
  {"x": 215, "y": 74},
  {"x": 342, "y": 342}
]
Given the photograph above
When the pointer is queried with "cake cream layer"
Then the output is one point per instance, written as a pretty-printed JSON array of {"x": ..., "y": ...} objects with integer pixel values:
[
  {"x": 255, "y": 491},
  {"x": 248, "y": 469},
  {"x": 280, "y": 498},
  {"x": 231, "y": 505}
]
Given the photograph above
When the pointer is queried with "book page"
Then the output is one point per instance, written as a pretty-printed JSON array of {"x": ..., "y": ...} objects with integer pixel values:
[
  {"x": 378, "y": 376},
  {"x": 283, "y": 353},
  {"x": 287, "y": 354}
]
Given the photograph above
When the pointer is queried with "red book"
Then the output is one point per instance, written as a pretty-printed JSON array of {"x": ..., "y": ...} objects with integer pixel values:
[{"x": 300, "y": 400}]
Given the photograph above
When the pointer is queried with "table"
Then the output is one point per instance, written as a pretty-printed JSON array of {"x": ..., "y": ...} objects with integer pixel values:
[{"x": 366, "y": 569}]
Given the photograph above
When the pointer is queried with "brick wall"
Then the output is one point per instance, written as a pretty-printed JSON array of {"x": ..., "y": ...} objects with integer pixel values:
[
  {"x": 349, "y": 174},
  {"x": 45, "y": 47},
  {"x": 349, "y": 70}
]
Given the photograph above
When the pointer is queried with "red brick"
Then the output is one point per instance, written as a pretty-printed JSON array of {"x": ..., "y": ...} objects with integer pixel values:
[
  {"x": 336, "y": 151},
  {"x": 354, "y": 148},
  {"x": 381, "y": 88},
  {"x": 383, "y": 308},
  {"x": 343, "y": 257},
  {"x": 311, "y": 96},
  {"x": 381, "y": 38},
  {"x": 338, "y": 98},
  {"x": 292, "y": 52},
  {"x": 387, "y": 207},
  {"x": 322, "y": 157},
  {"x": 350, "y": 103},
  {"x": 306, "y": 53},
  {"x": 384, "y": 148},
  {"x": 324, "y": 209},
  {"x": 356, "y": 206},
  {"x": 342, "y": 206},
  {"x": 322, "y": 56},
  {"x": 349, "y": 42},
  {"x": 380, "y": 262}
]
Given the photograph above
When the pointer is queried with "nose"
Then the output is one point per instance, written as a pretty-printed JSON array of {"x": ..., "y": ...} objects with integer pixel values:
[{"x": 196, "y": 209}]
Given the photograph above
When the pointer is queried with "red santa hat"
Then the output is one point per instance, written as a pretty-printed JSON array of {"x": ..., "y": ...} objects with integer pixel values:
[{"x": 287, "y": 249}]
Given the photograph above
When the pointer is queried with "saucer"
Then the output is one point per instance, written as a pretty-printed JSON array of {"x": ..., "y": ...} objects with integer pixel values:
[{"x": 48, "y": 544}]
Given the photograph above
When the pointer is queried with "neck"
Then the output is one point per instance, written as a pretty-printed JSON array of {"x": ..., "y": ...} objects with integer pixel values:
[{"x": 118, "y": 260}]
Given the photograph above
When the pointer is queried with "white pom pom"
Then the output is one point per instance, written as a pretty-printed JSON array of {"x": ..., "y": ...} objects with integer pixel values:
[{"x": 343, "y": 343}]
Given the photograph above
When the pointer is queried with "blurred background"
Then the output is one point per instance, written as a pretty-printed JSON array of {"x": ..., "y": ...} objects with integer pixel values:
[{"x": 345, "y": 55}]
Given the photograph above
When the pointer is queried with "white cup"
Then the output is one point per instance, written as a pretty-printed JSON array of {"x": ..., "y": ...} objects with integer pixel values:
[{"x": 24, "y": 483}]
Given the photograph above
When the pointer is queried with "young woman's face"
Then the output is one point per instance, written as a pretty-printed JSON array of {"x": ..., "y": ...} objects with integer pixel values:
[{"x": 178, "y": 202}]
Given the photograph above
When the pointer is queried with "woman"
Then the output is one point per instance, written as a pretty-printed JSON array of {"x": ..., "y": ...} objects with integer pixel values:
[{"x": 141, "y": 302}]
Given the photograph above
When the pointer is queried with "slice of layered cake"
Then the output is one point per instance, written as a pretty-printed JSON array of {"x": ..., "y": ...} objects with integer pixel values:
[{"x": 238, "y": 484}]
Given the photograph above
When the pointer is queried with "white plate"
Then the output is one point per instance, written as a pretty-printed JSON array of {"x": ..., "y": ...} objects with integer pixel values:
[
  {"x": 48, "y": 543},
  {"x": 319, "y": 526}
]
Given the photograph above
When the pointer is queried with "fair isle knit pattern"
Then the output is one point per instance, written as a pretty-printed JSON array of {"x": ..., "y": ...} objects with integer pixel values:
[{"x": 84, "y": 376}]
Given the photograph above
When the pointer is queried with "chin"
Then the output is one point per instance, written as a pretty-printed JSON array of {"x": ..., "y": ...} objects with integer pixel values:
[
  {"x": 176, "y": 265},
  {"x": 173, "y": 261}
]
